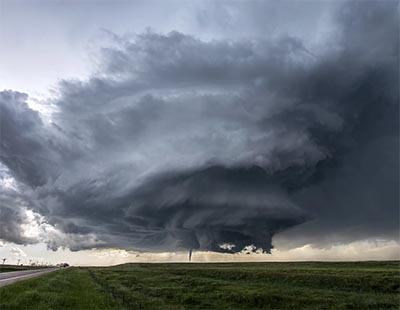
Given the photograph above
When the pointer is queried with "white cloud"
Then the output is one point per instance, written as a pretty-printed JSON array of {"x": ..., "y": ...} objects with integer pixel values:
[{"x": 16, "y": 251}]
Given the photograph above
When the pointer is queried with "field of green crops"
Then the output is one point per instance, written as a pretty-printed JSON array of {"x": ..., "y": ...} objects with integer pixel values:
[{"x": 358, "y": 285}]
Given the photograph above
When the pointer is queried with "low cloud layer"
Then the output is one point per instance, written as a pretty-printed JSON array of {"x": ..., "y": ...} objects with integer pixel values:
[{"x": 180, "y": 143}]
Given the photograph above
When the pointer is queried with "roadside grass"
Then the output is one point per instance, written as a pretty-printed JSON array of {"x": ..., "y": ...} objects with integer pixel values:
[
  {"x": 71, "y": 288},
  {"x": 9, "y": 268},
  {"x": 319, "y": 285}
]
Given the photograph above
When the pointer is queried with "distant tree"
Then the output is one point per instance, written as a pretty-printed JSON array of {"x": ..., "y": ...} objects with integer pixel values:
[{"x": 4, "y": 260}]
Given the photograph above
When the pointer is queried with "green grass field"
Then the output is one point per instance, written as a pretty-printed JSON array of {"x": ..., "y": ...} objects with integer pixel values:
[{"x": 361, "y": 285}]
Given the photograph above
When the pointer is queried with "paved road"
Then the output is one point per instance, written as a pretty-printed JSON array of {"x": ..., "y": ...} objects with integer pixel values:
[{"x": 15, "y": 276}]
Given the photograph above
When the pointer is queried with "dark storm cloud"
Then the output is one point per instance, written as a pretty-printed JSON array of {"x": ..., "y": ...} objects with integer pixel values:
[
  {"x": 12, "y": 218},
  {"x": 20, "y": 144},
  {"x": 180, "y": 143}
]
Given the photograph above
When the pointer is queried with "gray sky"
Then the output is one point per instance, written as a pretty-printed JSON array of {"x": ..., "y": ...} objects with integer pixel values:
[
  {"x": 45, "y": 41},
  {"x": 162, "y": 126}
]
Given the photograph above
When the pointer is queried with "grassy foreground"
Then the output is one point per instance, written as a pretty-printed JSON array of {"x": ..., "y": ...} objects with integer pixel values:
[
  {"x": 71, "y": 288},
  {"x": 363, "y": 285}
]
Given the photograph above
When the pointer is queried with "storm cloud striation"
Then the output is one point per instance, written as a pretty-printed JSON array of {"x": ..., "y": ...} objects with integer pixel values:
[{"x": 181, "y": 143}]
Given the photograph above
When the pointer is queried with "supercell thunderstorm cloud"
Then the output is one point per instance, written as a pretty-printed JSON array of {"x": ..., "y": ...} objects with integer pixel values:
[{"x": 181, "y": 143}]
